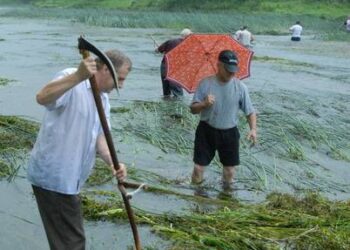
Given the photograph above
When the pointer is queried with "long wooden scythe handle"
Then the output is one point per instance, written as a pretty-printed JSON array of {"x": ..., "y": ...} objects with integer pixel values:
[{"x": 85, "y": 47}]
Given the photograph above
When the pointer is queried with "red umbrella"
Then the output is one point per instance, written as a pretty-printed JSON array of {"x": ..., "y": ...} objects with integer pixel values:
[{"x": 196, "y": 58}]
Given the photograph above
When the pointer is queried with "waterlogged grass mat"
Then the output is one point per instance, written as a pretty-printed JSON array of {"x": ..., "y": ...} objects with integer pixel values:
[
  {"x": 281, "y": 222},
  {"x": 17, "y": 136}
]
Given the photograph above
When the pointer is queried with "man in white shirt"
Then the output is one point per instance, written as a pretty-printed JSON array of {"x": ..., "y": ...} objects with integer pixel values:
[
  {"x": 296, "y": 30},
  {"x": 347, "y": 24},
  {"x": 69, "y": 137},
  {"x": 244, "y": 36}
]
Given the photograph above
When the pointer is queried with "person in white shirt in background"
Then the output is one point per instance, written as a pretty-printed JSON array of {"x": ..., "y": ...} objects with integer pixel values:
[
  {"x": 244, "y": 37},
  {"x": 296, "y": 30},
  {"x": 347, "y": 24}
]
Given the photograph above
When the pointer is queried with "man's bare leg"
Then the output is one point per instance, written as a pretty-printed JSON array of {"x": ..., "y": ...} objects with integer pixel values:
[
  {"x": 197, "y": 174},
  {"x": 228, "y": 174}
]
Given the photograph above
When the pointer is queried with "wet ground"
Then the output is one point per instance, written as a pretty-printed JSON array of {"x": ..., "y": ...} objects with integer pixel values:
[{"x": 33, "y": 50}]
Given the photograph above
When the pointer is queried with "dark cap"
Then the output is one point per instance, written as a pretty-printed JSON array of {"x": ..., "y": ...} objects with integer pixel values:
[{"x": 230, "y": 60}]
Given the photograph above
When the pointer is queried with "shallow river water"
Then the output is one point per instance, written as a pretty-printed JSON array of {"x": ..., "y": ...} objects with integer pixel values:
[{"x": 33, "y": 50}]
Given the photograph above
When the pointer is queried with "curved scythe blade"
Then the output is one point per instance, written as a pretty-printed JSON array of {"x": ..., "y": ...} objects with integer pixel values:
[{"x": 83, "y": 44}]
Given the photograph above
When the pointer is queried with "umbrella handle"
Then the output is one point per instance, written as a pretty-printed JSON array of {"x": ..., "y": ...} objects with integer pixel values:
[{"x": 156, "y": 45}]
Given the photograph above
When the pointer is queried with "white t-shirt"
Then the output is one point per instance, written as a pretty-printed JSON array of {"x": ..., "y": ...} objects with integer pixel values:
[
  {"x": 245, "y": 37},
  {"x": 237, "y": 34},
  {"x": 348, "y": 25},
  {"x": 296, "y": 29},
  {"x": 64, "y": 152}
]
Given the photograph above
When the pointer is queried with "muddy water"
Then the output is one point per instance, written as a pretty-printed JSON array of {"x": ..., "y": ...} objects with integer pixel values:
[{"x": 33, "y": 50}]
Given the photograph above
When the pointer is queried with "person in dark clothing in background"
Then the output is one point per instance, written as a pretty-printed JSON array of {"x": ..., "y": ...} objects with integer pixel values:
[{"x": 170, "y": 87}]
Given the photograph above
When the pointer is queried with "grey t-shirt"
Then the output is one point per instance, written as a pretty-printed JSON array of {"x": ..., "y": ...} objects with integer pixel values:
[{"x": 229, "y": 98}]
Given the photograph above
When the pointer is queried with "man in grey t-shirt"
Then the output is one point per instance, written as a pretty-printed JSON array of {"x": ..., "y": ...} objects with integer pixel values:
[{"x": 218, "y": 99}]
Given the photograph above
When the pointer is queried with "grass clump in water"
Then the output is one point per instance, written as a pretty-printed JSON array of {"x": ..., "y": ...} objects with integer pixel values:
[
  {"x": 5, "y": 169},
  {"x": 5, "y": 81},
  {"x": 17, "y": 133},
  {"x": 17, "y": 136},
  {"x": 283, "y": 221},
  {"x": 101, "y": 174}
]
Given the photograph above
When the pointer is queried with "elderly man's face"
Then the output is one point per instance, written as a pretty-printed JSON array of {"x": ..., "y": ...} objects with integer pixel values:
[
  {"x": 122, "y": 74},
  {"x": 106, "y": 81}
]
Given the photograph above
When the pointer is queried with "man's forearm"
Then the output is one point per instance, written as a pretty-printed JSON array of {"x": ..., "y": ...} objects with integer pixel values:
[
  {"x": 55, "y": 89},
  {"x": 252, "y": 121},
  {"x": 103, "y": 150},
  {"x": 197, "y": 107}
]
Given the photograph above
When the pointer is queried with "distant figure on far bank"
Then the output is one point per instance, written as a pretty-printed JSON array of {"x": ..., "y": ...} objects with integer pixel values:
[
  {"x": 347, "y": 24},
  {"x": 296, "y": 30},
  {"x": 168, "y": 86},
  {"x": 244, "y": 37}
]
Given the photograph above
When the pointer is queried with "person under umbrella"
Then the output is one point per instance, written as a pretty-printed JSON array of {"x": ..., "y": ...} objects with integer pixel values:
[
  {"x": 218, "y": 100},
  {"x": 170, "y": 87},
  {"x": 195, "y": 58}
]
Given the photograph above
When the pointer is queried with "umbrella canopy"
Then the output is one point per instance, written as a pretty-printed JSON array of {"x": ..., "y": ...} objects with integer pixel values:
[{"x": 196, "y": 58}]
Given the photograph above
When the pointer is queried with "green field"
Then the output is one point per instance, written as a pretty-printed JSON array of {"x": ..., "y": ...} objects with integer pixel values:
[
  {"x": 260, "y": 23},
  {"x": 323, "y": 8}
]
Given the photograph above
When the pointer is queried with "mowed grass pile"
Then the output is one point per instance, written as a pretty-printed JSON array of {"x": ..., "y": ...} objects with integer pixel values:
[
  {"x": 268, "y": 23},
  {"x": 282, "y": 222},
  {"x": 17, "y": 136}
]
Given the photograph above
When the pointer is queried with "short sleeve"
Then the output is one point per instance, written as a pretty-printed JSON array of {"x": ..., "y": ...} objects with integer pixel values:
[
  {"x": 64, "y": 99},
  {"x": 199, "y": 95},
  {"x": 245, "y": 103}
]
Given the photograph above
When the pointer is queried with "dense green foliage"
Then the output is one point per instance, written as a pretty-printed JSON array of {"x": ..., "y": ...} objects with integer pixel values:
[
  {"x": 335, "y": 8},
  {"x": 320, "y": 19},
  {"x": 267, "y": 23}
]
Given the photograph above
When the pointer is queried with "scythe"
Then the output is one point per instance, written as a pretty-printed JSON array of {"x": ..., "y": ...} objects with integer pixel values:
[{"x": 85, "y": 47}]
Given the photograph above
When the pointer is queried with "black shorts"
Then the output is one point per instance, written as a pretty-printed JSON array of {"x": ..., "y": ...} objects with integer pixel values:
[
  {"x": 209, "y": 139},
  {"x": 295, "y": 39}
]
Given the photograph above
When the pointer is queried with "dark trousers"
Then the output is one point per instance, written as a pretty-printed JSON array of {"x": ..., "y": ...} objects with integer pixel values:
[
  {"x": 62, "y": 219},
  {"x": 168, "y": 86},
  {"x": 295, "y": 39}
]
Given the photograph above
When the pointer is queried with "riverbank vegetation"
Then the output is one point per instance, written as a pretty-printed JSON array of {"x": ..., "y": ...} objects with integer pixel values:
[
  {"x": 271, "y": 18},
  {"x": 338, "y": 8}
]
